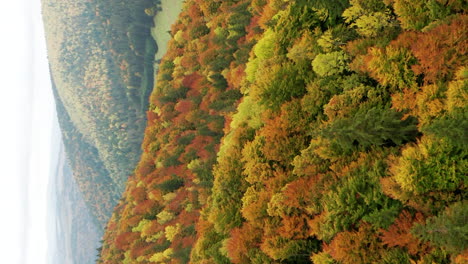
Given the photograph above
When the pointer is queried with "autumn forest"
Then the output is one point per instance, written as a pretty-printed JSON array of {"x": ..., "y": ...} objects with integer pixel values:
[{"x": 271, "y": 131}]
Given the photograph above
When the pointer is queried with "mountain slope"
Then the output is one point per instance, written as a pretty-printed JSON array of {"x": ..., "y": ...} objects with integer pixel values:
[
  {"x": 101, "y": 62},
  {"x": 303, "y": 131}
]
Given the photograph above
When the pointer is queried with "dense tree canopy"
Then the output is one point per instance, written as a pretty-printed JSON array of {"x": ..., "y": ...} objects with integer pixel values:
[{"x": 303, "y": 131}]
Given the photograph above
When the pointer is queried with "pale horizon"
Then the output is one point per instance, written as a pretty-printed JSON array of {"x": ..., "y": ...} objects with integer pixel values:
[{"x": 27, "y": 111}]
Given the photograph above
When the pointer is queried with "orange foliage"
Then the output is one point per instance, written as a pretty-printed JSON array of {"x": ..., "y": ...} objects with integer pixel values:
[
  {"x": 167, "y": 111},
  {"x": 398, "y": 234},
  {"x": 134, "y": 220},
  {"x": 442, "y": 49},
  {"x": 241, "y": 241},
  {"x": 124, "y": 240},
  {"x": 355, "y": 246},
  {"x": 138, "y": 194},
  {"x": 216, "y": 126},
  {"x": 188, "y": 218},
  {"x": 426, "y": 103},
  {"x": 186, "y": 242},
  {"x": 145, "y": 207},
  {"x": 151, "y": 116},
  {"x": 236, "y": 76},
  {"x": 294, "y": 227},
  {"x": 194, "y": 12},
  {"x": 284, "y": 130},
  {"x": 266, "y": 15},
  {"x": 198, "y": 144},
  {"x": 315, "y": 225},
  {"x": 255, "y": 210},
  {"x": 153, "y": 228},
  {"x": 176, "y": 204},
  {"x": 192, "y": 81},
  {"x": 146, "y": 165},
  {"x": 404, "y": 100},
  {"x": 207, "y": 56},
  {"x": 251, "y": 29},
  {"x": 141, "y": 248},
  {"x": 301, "y": 192},
  {"x": 180, "y": 120},
  {"x": 184, "y": 106},
  {"x": 189, "y": 62}
]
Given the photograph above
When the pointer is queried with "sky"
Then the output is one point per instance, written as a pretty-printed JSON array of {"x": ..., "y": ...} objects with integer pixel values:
[{"x": 26, "y": 115}]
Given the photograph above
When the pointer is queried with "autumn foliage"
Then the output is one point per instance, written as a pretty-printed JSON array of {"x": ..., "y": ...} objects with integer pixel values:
[{"x": 300, "y": 135}]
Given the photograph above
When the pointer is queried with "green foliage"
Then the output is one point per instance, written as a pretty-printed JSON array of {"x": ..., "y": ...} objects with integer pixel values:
[
  {"x": 431, "y": 165},
  {"x": 172, "y": 231},
  {"x": 449, "y": 230},
  {"x": 303, "y": 50},
  {"x": 392, "y": 66},
  {"x": 263, "y": 50},
  {"x": 164, "y": 216},
  {"x": 369, "y": 127},
  {"x": 330, "y": 63},
  {"x": 452, "y": 128},
  {"x": 265, "y": 47},
  {"x": 248, "y": 112},
  {"x": 416, "y": 14},
  {"x": 279, "y": 84},
  {"x": 333, "y": 9},
  {"x": 298, "y": 17},
  {"x": 209, "y": 247},
  {"x": 162, "y": 256},
  {"x": 396, "y": 256},
  {"x": 227, "y": 191},
  {"x": 289, "y": 251},
  {"x": 369, "y": 18},
  {"x": 171, "y": 185},
  {"x": 359, "y": 197},
  {"x": 322, "y": 258}
]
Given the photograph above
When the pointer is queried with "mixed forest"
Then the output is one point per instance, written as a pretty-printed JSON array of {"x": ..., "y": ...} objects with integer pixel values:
[
  {"x": 273, "y": 131},
  {"x": 101, "y": 62}
]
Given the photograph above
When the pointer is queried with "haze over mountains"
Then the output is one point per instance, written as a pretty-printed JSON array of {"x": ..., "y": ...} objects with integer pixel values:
[{"x": 73, "y": 233}]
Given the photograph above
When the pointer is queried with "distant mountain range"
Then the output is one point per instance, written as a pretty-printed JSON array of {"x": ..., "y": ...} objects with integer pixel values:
[{"x": 73, "y": 233}]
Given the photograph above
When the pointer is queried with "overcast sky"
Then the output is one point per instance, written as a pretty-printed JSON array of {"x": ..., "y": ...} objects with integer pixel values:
[{"x": 26, "y": 116}]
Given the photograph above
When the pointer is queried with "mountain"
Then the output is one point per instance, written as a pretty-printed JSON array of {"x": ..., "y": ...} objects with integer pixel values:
[
  {"x": 74, "y": 236},
  {"x": 303, "y": 132},
  {"x": 101, "y": 62}
]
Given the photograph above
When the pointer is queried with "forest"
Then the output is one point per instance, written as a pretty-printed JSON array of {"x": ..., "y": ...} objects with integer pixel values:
[
  {"x": 278, "y": 131},
  {"x": 101, "y": 64}
]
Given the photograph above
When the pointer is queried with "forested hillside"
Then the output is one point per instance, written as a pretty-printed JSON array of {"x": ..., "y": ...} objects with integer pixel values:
[
  {"x": 101, "y": 59},
  {"x": 304, "y": 132}
]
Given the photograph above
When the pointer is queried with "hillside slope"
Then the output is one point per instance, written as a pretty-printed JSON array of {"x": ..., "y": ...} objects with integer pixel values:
[
  {"x": 99, "y": 62},
  {"x": 303, "y": 132}
]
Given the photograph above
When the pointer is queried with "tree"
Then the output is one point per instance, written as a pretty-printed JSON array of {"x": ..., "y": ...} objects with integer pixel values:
[
  {"x": 360, "y": 246},
  {"x": 303, "y": 49},
  {"x": 398, "y": 234},
  {"x": 452, "y": 127},
  {"x": 331, "y": 63},
  {"x": 369, "y": 127},
  {"x": 430, "y": 165},
  {"x": 242, "y": 243},
  {"x": 358, "y": 197},
  {"x": 392, "y": 66},
  {"x": 416, "y": 14},
  {"x": 441, "y": 50},
  {"x": 368, "y": 17},
  {"x": 448, "y": 230}
]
